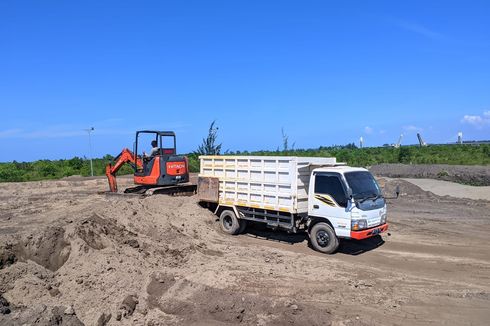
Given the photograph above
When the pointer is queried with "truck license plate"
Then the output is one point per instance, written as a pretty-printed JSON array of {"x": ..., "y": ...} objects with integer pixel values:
[{"x": 376, "y": 231}]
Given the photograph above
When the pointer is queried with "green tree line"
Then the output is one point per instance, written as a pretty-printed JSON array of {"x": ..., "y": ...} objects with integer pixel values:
[
  {"x": 434, "y": 154},
  {"x": 54, "y": 169}
]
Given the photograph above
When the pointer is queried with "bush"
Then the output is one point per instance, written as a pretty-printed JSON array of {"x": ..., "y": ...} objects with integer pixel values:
[
  {"x": 404, "y": 155},
  {"x": 442, "y": 174}
]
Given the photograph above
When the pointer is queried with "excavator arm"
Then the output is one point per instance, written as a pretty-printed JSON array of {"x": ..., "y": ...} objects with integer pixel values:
[{"x": 126, "y": 156}]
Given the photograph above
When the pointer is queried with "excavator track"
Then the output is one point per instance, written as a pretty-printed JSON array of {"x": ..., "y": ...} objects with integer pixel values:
[
  {"x": 178, "y": 190},
  {"x": 145, "y": 191}
]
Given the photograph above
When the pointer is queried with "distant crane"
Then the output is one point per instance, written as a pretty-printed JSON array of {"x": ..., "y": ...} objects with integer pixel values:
[
  {"x": 399, "y": 142},
  {"x": 422, "y": 143}
]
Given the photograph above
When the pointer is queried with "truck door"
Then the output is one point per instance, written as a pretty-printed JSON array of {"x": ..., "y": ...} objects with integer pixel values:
[{"x": 329, "y": 200}]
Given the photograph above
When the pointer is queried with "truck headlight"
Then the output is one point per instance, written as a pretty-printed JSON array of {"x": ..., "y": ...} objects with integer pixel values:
[
  {"x": 357, "y": 225},
  {"x": 383, "y": 219}
]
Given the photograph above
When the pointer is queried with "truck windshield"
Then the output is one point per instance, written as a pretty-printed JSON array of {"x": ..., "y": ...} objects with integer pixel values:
[{"x": 362, "y": 184}]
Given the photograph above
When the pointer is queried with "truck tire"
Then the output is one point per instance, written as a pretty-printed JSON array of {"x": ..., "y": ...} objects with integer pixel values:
[
  {"x": 229, "y": 222},
  {"x": 323, "y": 238}
]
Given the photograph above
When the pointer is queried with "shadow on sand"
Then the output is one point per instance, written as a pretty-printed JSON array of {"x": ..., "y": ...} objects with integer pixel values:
[{"x": 347, "y": 247}]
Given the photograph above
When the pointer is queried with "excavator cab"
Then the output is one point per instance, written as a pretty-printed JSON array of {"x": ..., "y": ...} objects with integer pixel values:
[
  {"x": 166, "y": 145},
  {"x": 163, "y": 167}
]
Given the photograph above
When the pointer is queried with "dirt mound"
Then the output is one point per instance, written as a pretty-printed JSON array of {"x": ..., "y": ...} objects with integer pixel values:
[
  {"x": 4, "y": 306},
  {"x": 465, "y": 174},
  {"x": 198, "y": 304},
  {"x": 41, "y": 315},
  {"x": 407, "y": 189},
  {"x": 48, "y": 249},
  {"x": 7, "y": 255},
  {"x": 98, "y": 233},
  {"x": 412, "y": 192}
]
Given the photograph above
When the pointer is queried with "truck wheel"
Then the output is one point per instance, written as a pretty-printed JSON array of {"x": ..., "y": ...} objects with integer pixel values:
[
  {"x": 229, "y": 223},
  {"x": 243, "y": 226},
  {"x": 323, "y": 238}
]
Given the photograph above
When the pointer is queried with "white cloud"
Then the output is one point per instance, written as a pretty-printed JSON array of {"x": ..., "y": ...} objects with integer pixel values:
[
  {"x": 477, "y": 121},
  {"x": 64, "y": 131},
  {"x": 472, "y": 119},
  {"x": 412, "y": 128},
  {"x": 419, "y": 29},
  {"x": 368, "y": 130},
  {"x": 10, "y": 133},
  {"x": 55, "y": 134},
  {"x": 102, "y": 127}
]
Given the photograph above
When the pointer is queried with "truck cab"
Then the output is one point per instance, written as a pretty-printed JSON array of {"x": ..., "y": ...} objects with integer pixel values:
[{"x": 344, "y": 202}]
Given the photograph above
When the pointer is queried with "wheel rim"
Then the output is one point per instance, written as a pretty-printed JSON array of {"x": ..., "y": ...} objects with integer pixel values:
[
  {"x": 322, "y": 238},
  {"x": 227, "y": 222}
]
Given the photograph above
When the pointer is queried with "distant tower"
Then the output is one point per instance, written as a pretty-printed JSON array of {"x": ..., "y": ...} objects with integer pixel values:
[
  {"x": 460, "y": 137},
  {"x": 361, "y": 142}
]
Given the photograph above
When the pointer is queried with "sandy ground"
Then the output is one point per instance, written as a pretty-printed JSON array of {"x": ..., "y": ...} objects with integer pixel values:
[
  {"x": 69, "y": 255},
  {"x": 446, "y": 188}
]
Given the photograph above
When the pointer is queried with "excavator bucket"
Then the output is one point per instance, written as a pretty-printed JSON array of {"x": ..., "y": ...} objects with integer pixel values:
[{"x": 111, "y": 178}]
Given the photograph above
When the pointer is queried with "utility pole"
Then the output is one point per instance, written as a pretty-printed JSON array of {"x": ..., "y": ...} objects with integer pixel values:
[{"x": 90, "y": 149}]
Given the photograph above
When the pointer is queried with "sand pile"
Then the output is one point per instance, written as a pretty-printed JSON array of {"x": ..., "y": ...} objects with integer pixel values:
[
  {"x": 96, "y": 262},
  {"x": 125, "y": 263}
]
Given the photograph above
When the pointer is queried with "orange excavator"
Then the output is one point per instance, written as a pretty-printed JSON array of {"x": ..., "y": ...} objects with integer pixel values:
[{"x": 162, "y": 170}]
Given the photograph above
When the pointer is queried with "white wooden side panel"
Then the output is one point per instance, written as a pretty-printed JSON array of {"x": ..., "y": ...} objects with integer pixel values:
[{"x": 272, "y": 183}]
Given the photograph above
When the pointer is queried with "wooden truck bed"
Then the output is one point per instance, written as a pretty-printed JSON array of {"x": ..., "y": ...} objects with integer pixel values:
[{"x": 277, "y": 183}]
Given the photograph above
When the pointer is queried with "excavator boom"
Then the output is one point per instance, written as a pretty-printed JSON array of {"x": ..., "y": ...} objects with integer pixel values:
[{"x": 126, "y": 156}]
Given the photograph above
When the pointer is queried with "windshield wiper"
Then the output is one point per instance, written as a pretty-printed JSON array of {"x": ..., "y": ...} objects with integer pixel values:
[{"x": 373, "y": 197}]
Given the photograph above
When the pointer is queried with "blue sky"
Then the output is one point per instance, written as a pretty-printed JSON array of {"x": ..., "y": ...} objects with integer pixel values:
[{"x": 327, "y": 72}]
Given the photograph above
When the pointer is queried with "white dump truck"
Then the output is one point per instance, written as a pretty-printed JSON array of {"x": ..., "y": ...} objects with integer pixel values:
[{"x": 327, "y": 199}]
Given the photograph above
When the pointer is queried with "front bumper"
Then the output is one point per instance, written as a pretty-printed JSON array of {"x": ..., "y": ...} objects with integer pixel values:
[{"x": 371, "y": 232}]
